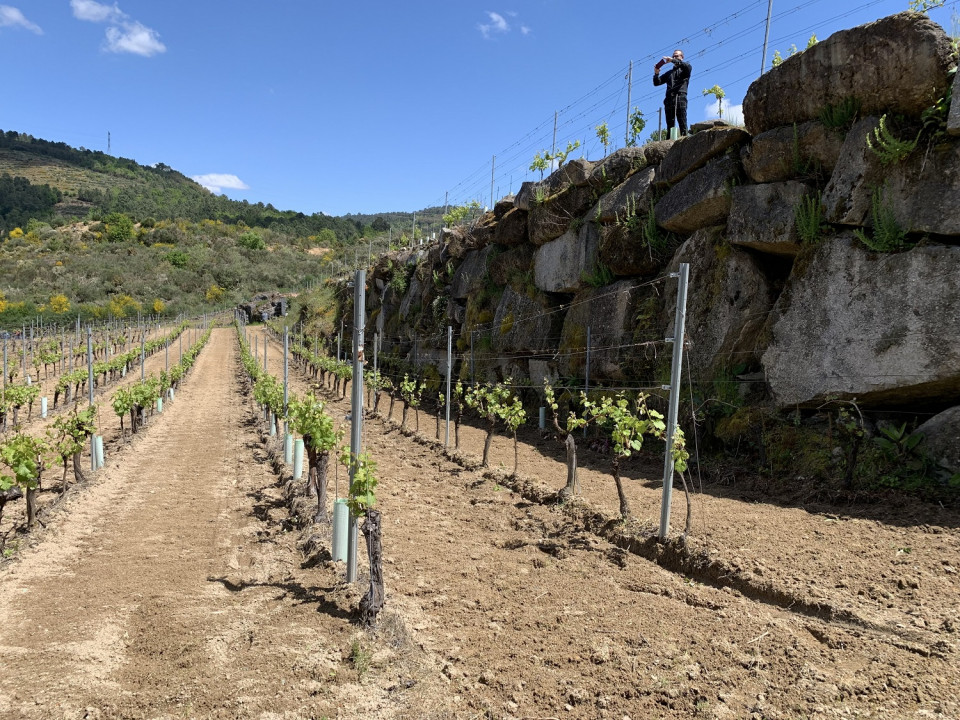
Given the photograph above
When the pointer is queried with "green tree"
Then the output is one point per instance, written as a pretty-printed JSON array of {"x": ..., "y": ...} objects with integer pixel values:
[
  {"x": 119, "y": 227},
  {"x": 251, "y": 241}
]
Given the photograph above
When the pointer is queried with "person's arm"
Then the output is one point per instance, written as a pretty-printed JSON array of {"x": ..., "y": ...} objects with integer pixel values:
[
  {"x": 682, "y": 70},
  {"x": 657, "y": 80}
]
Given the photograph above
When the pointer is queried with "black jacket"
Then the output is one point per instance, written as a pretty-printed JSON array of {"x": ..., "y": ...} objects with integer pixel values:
[{"x": 676, "y": 78}]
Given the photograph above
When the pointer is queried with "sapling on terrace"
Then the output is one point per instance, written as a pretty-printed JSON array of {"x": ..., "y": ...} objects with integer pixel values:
[
  {"x": 569, "y": 441},
  {"x": 68, "y": 438},
  {"x": 492, "y": 403},
  {"x": 309, "y": 418},
  {"x": 627, "y": 426},
  {"x": 363, "y": 485},
  {"x": 21, "y": 465},
  {"x": 411, "y": 391}
]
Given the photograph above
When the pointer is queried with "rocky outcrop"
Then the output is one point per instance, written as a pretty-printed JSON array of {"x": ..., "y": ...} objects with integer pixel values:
[
  {"x": 895, "y": 65},
  {"x": 626, "y": 199},
  {"x": 560, "y": 265},
  {"x": 941, "y": 435},
  {"x": 512, "y": 228},
  {"x": 800, "y": 323},
  {"x": 921, "y": 189},
  {"x": 879, "y": 328},
  {"x": 470, "y": 274},
  {"x": 524, "y": 324},
  {"x": 953, "y": 119},
  {"x": 551, "y": 216},
  {"x": 784, "y": 153},
  {"x": 607, "y": 313},
  {"x": 762, "y": 217},
  {"x": 694, "y": 151},
  {"x": 701, "y": 199},
  {"x": 727, "y": 306}
]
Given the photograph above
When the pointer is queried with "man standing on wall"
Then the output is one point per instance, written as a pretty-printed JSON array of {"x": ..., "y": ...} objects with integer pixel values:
[{"x": 676, "y": 79}]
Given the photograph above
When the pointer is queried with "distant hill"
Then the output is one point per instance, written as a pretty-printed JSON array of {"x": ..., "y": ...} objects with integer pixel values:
[
  {"x": 108, "y": 237},
  {"x": 92, "y": 180}
]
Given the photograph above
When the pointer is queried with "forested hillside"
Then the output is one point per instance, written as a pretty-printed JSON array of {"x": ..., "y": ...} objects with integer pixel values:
[{"x": 85, "y": 232}]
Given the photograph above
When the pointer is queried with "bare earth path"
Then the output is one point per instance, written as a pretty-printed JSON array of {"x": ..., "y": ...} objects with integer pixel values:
[{"x": 168, "y": 588}]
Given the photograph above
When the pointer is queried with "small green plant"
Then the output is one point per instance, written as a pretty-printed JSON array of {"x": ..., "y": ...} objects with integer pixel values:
[
  {"x": 360, "y": 658},
  {"x": 601, "y": 276},
  {"x": 540, "y": 196},
  {"x": 809, "y": 219},
  {"x": 655, "y": 239},
  {"x": 541, "y": 161},
  {"x": 719, "y": 93},
  {"x": 461, "y": 213},
  {"x": 777, "y": 60},
  {"x": 887, "y": 146},
  {"x": 934, "y": 118},
  {"x": 636, "y": 123},
  {"x": 561, "y": 155},
  {"x": 886, "y": 235},
  {"x": 603, "y": 135},
  {"x": 840, "y": 117}
]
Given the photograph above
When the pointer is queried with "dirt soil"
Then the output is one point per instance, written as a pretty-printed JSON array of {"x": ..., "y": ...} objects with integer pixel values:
[{"x": 173, "y": 584}]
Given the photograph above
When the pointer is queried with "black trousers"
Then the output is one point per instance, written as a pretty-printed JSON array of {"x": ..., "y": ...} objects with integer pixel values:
[{"x": 676, "y": 108}]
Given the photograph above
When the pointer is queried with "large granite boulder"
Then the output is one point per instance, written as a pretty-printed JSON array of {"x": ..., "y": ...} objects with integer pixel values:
[
  {"x": 524, "y": 324},
  {"x": 512, "y": 228},
  {"x": 921, "y": 190},
  {"x": 560, "y": 265},
  {"x": 551, "y": 215},
  {"x": 881, "y": 328},
  {"x": 617, "y": 167},
  {"x": 511, "y": 264},
  {"x": 503, "y": 206},
  {"x": 624, "y": 251},
  {"x": 897, "y": 64},
  {"x": 727, "y": 304},
  {"x": 575, "y": 172},
  {"x": 791, "y": 151},
  {"x": 471, "y": 274},
  {"x": 626, "y": 199},
  {"x": 694, "y": 151},
  {"x": 608, "y": 314},
  {"x": 846, "y": 198},
  {"x": 527, "y": 195},
  {"x": 953, "y": 119},
  {"x": 942, "y": 438},
  {"x": 762, "y": 217},
  {"x": 701, "y": 199}
]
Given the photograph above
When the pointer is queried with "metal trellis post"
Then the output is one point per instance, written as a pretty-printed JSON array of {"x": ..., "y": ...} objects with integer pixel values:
[{"x": 674, "y": 387}]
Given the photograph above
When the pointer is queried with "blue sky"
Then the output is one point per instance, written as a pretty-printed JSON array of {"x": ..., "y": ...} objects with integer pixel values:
[{"x": 344, "y": 107}]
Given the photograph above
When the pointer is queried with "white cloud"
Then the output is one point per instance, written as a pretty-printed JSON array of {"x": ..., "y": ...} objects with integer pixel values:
[
  {"x": 524, "y": 30},
  {"x": 497, "y": 24},
  {"x": 96, "y": 12},
  {"x": 124, "y": 35},
  {"x": 132, "y": 37},
  {"x": 12, "y": 17},
  {"x": 215, "y": 182},
  {"x": 732, "y": 114}
]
